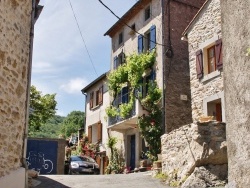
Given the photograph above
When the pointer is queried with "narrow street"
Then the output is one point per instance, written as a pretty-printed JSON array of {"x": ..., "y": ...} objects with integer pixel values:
[{"x": 134, "y": 180}]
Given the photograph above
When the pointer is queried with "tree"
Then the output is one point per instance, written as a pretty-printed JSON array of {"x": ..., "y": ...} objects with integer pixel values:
[
  {"x": 51, "y": 129},
  {"x": 73, "y": 122},
  {"x": 43, "y": 107}
]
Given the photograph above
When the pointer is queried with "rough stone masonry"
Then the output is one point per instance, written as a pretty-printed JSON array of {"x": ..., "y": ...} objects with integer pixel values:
[{"x": 15, "y": 19}]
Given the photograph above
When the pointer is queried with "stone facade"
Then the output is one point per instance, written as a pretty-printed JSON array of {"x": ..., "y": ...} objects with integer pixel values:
[
  {"x": 17, "y": 19},
  {"x": 236, "y": 34},
  {"x": 177, "y": 15},
  {"x": 15, "y": 28},
  {"x": 204, "y": 30},
  {"x": 191, "y": 146}
]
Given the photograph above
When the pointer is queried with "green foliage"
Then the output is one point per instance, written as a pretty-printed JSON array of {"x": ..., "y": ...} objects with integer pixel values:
[
  {"x": 248, "y": 52},
  {"x": 44, "y": 107},
  {"x": 112, "y": 142},
  {"x": 111, "y": 111},
  {"x": 117, "y": 162},
  {"x": 163, "y": 177},
  {"x": 130, "y": 74},
  {"x": 51, "y": 129},
  {"x": 116, "y": 165},
  {"x": 73, "y": 122}
]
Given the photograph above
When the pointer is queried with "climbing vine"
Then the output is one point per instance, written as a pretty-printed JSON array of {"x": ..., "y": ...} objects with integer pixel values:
[{"x": 129, "y": 74}]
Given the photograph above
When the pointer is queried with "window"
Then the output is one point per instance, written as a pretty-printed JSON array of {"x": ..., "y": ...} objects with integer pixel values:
[
  {"x": 147, "y": 13},
  {"x": 119, "y": 60},
  {"x": 91, "y": 100},
  {"x": 147, "y": 42},
  {"x": 214, "y": 109},
  {"x": 96, "y": 96},
  {"x": 145, "y": 81},
  {"x": 213, "y": 106},
  {"x": 209, "y": 59},
  {"x": 133, "y": 29},
  {"x": 120, "y": 38},
  {"x": 122, "y": 97}
]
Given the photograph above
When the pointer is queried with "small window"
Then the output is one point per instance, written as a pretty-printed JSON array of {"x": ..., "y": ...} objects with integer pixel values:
[
  {"x": 147, "y": 13},
  {"x": 133, "y": 30},
  {"x": 119, "y": 60},
  {"x": 147, "y": 41},
  {"x": 211, "y": 59},
  {"x": 97, "y": 98},
  {"x": 121, "y": 38},
  {"x": 91, "y": 100}
]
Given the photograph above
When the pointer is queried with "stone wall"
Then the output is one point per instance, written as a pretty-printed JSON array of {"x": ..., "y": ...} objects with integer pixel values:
[
  {"x": 236, "y": 33},
  {"x": 15, "y": 19},
  {"x": 176, "y": 74},
  {"x": 193, "y": 146},
  {"x": 206, "y": 26}
]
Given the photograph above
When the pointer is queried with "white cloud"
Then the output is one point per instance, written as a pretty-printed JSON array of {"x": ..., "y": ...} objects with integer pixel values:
[{"x": 74, "y": 86}]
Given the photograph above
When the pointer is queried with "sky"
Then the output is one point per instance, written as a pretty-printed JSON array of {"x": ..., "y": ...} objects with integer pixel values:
[{"x": 61, "y": 63}]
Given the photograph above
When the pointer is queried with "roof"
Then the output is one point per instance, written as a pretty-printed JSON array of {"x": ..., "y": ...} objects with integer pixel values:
[
  {"x": 84, "y": 90},
  {"x": 127, "y": 16},
  {"x": 194, "y": 19}
]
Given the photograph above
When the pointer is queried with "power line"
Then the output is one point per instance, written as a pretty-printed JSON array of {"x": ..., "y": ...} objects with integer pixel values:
[
  {"x": 128, "y": 25},
  {"x": 82, "y": 38}
]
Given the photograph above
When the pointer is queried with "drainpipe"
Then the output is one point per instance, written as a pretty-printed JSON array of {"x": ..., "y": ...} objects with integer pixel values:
[
  {"x": 85, "y": 111},
  {"x": 163, "y": 67},
  {"x": 24, "y": 149}
]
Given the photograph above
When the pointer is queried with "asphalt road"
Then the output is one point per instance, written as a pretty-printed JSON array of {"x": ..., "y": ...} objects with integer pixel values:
[{"x": 134, "y": 180}]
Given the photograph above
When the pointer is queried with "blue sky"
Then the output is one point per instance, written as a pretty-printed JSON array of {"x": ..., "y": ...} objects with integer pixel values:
[{"x": 60, "y": 61}]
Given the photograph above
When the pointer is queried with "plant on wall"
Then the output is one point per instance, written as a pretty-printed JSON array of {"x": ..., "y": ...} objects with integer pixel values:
[
  {"x": 130, "y": 75},
  {"x": 116, "y": 163}
]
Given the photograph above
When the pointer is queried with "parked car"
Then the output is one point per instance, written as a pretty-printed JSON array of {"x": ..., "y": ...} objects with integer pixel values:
[{"x": 82, "y": 165}]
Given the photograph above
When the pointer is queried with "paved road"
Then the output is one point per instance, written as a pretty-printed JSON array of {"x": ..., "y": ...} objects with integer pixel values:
[{"x": 134, "y": 180}]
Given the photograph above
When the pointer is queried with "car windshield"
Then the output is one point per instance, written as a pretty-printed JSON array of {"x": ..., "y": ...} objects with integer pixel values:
[{"x": 82, "y": 158}]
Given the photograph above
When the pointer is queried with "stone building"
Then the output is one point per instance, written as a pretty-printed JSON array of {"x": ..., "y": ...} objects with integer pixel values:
[
  {"x": 176, "y": 16},
  {"x": 16, "y": 35},
  {"x": 197, "y": 153},
  {"x": 163, "y": 23},
  {"x": 206, "y": 64},
  {"x": 236, "y": 40}
]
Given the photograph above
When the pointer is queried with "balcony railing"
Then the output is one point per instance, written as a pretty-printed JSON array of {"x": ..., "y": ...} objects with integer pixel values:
[{"x": 117, "y": 119}]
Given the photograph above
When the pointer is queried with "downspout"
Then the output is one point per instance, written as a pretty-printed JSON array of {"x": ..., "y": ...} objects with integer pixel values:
[
  {"x": 163, "y": 67},
  {"x": 24, "y": 149},
  {"x": 85, "y": 111}
]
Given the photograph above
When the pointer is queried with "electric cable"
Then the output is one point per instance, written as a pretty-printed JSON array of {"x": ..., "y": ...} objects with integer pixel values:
[
  {"x": 83, "y": 38},
  {"x": 129, "y": 25}
]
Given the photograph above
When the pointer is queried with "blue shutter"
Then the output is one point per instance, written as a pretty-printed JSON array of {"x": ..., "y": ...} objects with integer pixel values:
[
  {"x": 152, "y": 37},
  {"x": 153, "y": 75},
  {"x": 140, "y": 44},
  {"x": 115, "y": 62}
]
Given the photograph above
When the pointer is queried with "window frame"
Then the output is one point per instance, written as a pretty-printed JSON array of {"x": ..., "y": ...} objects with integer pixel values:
[
  {"x": 120, "y": 38},
  {"x": 214, "y": 59},
  {"x": 147, "y": 13},
  {"x": 202, "y": 59}
]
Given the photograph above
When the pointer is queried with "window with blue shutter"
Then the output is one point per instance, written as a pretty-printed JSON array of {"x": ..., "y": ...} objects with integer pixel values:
[
  {"x": 140, "y": 44},
  {"x": 115, "y": 62},
  {"x": 152, "y": 37}
]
